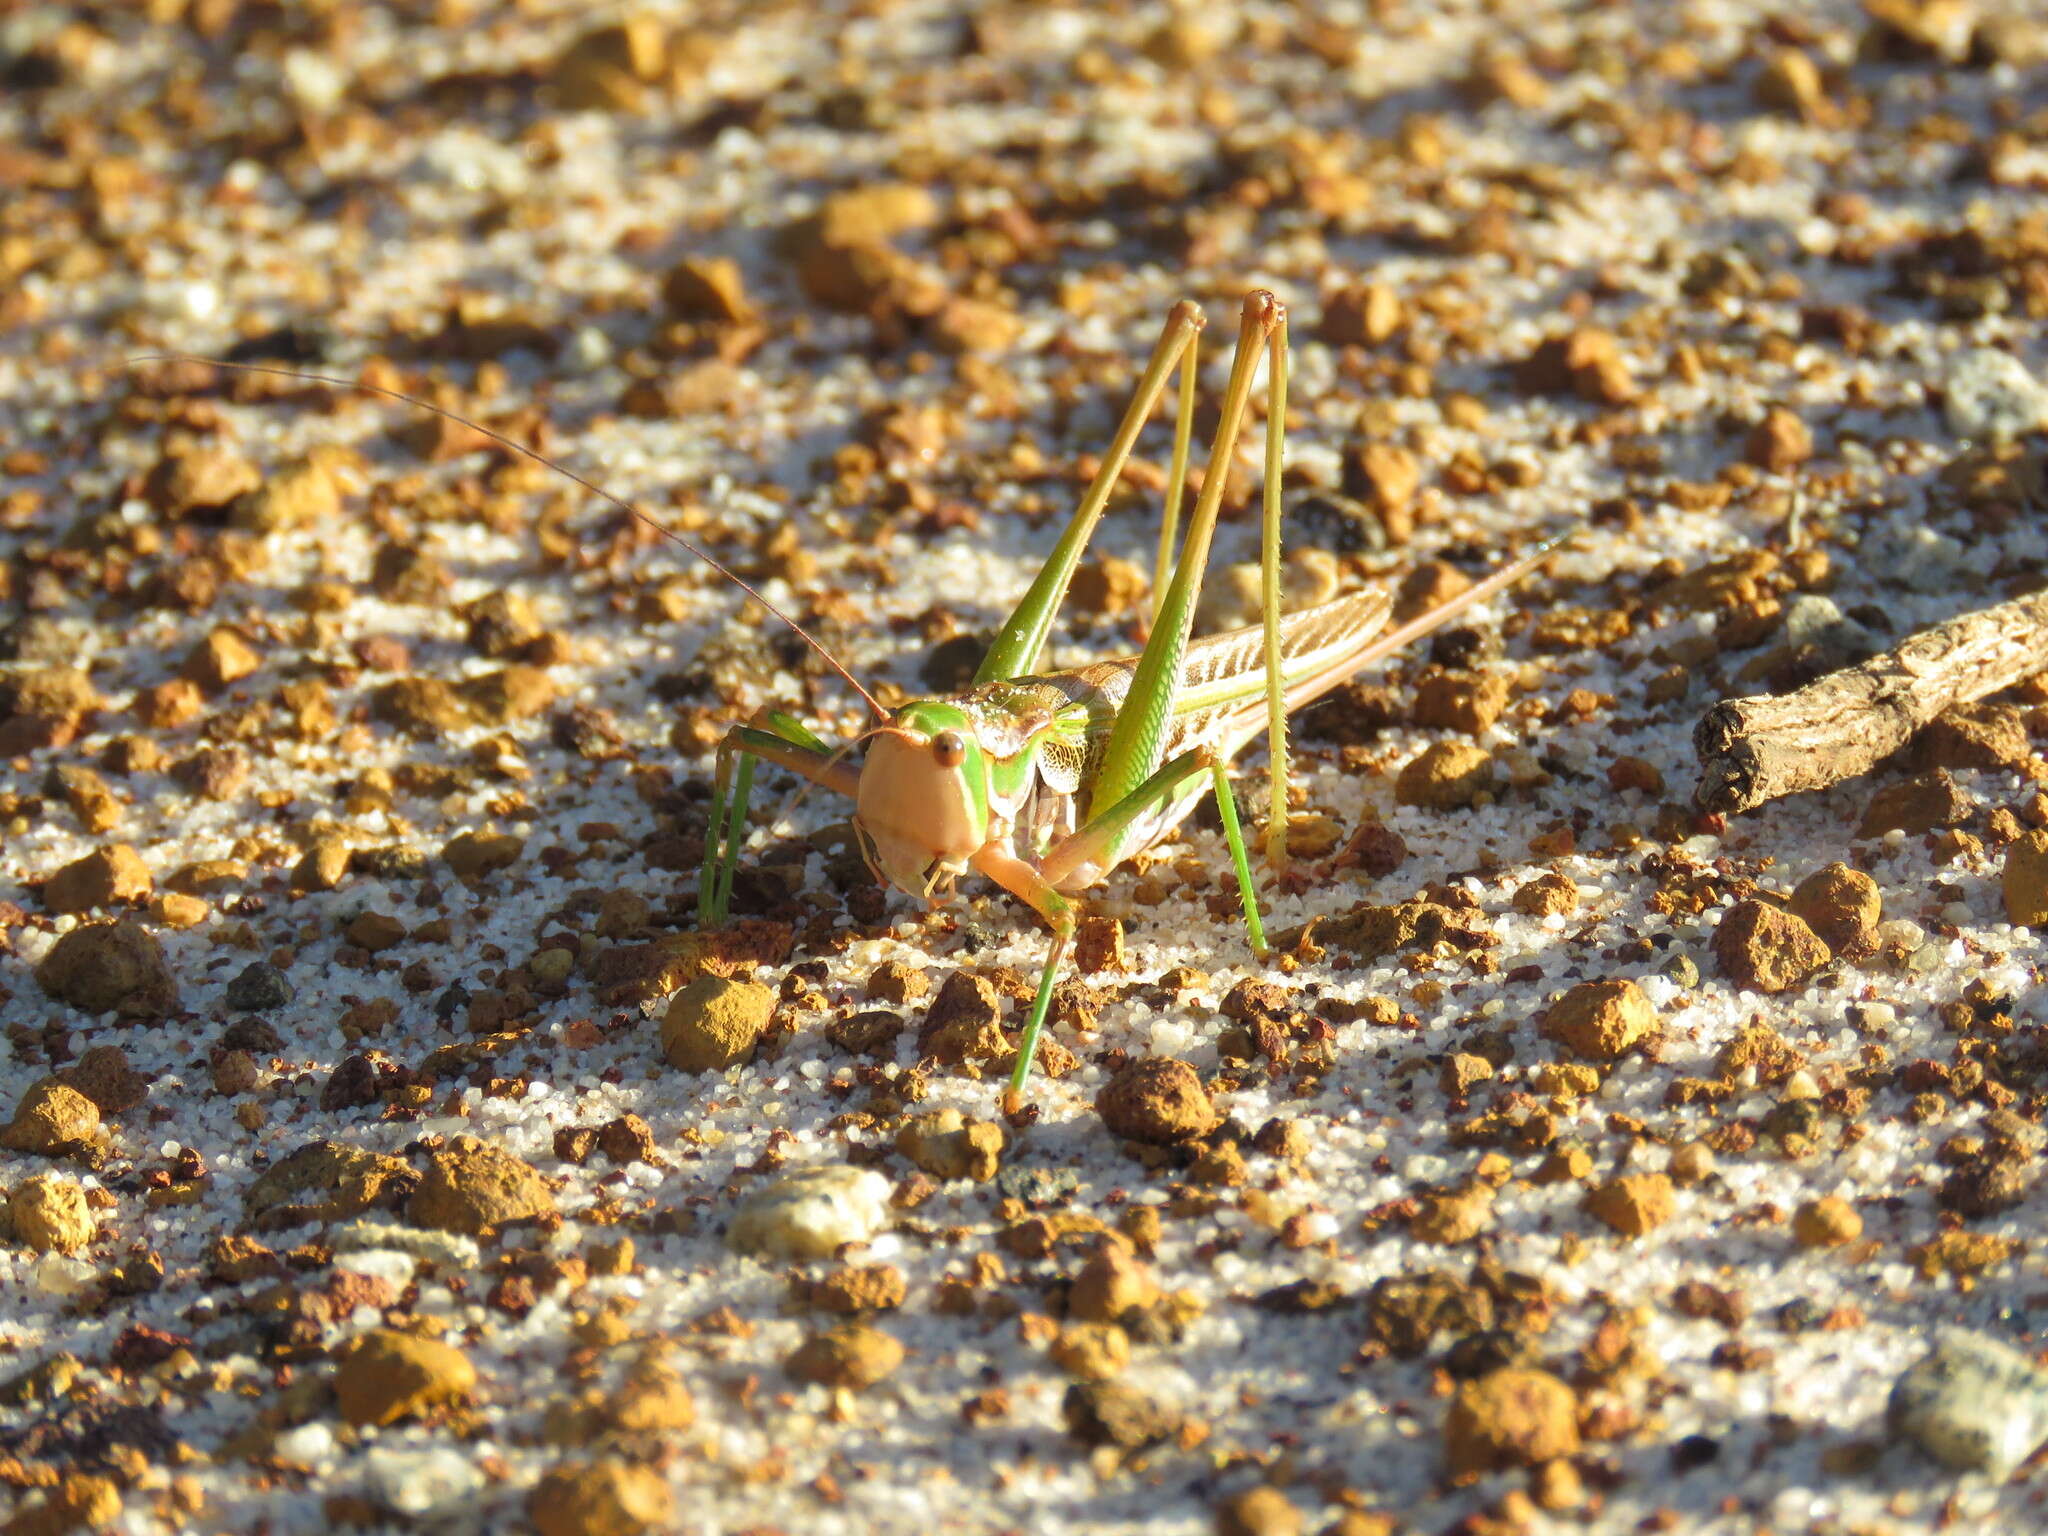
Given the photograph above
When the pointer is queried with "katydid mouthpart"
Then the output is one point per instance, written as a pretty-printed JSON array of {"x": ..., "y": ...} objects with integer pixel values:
[{"x": 1045, "y": 783}]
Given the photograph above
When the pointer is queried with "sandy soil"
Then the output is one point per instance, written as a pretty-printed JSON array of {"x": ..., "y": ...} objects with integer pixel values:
[{"x": 298, "y": 680}]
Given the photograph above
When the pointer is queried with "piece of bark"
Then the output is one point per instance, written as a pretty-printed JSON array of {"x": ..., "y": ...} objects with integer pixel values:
[{"x": 1836, "y": 727}]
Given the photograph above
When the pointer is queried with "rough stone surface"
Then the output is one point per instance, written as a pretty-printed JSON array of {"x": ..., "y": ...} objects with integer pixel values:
[
  {"x": 1510, "y": 1418},
  {"x": 1446, "y": 776},
  {"x": 1601, "y": 1020},
  {"x": 1157, "y": 1100},
  {"x": 809, "y": 1214},
  {"x": 853, "y": 1355},
  {"x": 49, "y": 1213},
  {"x": 110, "y": 968},
  {"x": 715, "y": 1023},
  {"x": 475, "y": 1188},
  {"x": 604, "y": 1497},
  {"x": 53, "y": 1119},
  {"x": 1634, "y": 1205},
  {"x": 1843, "y": 906},
  {"x": 323, "y": 1181},
  {"x": 2024, "y": 881},
  {"x": 947, "y": 1145},
  {"x": 1972, "y": 1403},
  {"x": 1764, "y": 949},
  {"x": 101, "y": 879},
  {"x": 387, "y": 1376}
]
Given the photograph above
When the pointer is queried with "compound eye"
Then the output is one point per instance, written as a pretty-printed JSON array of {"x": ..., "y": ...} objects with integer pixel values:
[{"x": 948, "y": 750}]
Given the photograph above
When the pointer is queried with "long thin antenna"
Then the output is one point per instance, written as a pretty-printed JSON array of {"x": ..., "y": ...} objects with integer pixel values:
[{"x": 546, "y": 463}]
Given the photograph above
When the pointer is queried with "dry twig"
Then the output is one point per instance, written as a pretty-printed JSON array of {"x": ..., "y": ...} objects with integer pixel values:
[{"x": 1756, "y": 749}]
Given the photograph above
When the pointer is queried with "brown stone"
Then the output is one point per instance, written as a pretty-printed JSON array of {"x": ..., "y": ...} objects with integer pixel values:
[
  {"x": 1828, "y": 1222},
  {"x": 375, "y": 932},
  {"x": 115, "y": 967},
  {"x": 204, "y": 479},
  {"x": 299, "y": 495},
  {"x": 1601, "y": 1020},
  {"x": 1460, "y": 701},
  {"x": 323, "y": 1181},
  {"x": 1091, "y": 1351},
  {"x": 1510, "y": 1418},
  {"x": 1446, "y": 775},
  {"x": 472, "y": 855},
  {"x": 1447, "y": 1217},
  {"x": 1763, "y": 949},
  {"x": 53, "y": 1118},
  {"x": 947, "y": 1145},
  {"x": 2025, "y": 880},
  {"x": 1157, "y": 1100},
  {"x": 1111, "y": 1285},
  {"x": 102, "y": 878},
  {"x": 715, "y": 1023},
  {"x": 104, "y": 1076},
  {"x": 1363, "y": 315},
  {"x": 386, "y": 1376},
  {"x": 1261, "y": 1511},
  {"x": 1109, "y": 587},
  {"x": 1791, "y": 82},
  {"x": 1917, "y": 805},
  {"x": 1386, "y": 477},
  {"x": 1780, "y": 442},
  {"x": 1843, "y": 906},
  {"x": 605, "y": 1497},
  {"x": 1586, "y": 362},
  {"x": 473, "y": 1187},
  {"x": 225, "y": 656},
  {"x": 50, "y": 1214},
  {"x": 1633, "y": 1205},
  {"x": 962, "y": 1023},
  {"x": 854, "y": 1355},
  {"x": 423, "y": 706},
  {"x": 1548, "y": 895},
  {"x": 860, "y": 1288},
  {"x": 707, "y": 288}
]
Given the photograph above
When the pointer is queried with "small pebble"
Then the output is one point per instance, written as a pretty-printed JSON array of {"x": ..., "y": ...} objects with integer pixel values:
[
  {"x": 1828, "y": 1222},
  {"x": 854, "y": 1355},
  {"x": 715, "y": 1023},
  {"x": 1990, "y": 396},
  {"x": 1510, "y": 1418},
  {"x": 606, "y": 1497},
  {"x": 1601, "y": 1020},
  {"x": 810, "y": 1213},
  {"x": 386, "y": 1376},
  {"x": 1156, "y": 1100},
  {"x": 1972, "y": 1403},
  {"x": 1763, "y": 949},
  {"x": 50, "y": 1214}
]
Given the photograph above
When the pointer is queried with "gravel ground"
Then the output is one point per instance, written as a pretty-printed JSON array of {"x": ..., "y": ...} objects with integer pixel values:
[{"x": 354, "y": 775}]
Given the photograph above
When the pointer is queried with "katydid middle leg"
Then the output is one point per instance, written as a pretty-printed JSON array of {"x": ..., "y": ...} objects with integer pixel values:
[{"x": 1104, "y": 842}]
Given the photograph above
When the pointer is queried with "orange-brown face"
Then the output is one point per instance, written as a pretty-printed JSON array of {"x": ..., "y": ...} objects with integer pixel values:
[{"x": 921, "y": 811}]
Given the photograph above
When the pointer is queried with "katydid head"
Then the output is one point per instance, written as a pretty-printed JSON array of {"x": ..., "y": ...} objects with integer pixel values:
[{"x": 922, "y": 808}]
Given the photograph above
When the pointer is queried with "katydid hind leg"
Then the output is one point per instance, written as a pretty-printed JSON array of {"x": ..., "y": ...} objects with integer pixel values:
[
  {"x": 1177, "y": 472},
  {"x": 1019, "y": 644},
  {"x": 1137, "y": 741},
  {"x": 1269, "y": 572}
]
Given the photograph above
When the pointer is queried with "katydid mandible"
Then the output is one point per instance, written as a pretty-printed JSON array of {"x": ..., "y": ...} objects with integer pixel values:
[{"x": 1046, "y": 782}]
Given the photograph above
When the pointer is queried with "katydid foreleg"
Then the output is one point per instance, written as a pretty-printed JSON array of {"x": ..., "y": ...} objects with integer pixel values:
[{"x": 776, "y": 738}]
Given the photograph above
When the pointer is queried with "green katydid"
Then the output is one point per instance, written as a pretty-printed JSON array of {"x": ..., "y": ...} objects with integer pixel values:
[{"x": 1046, "y": 783}]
